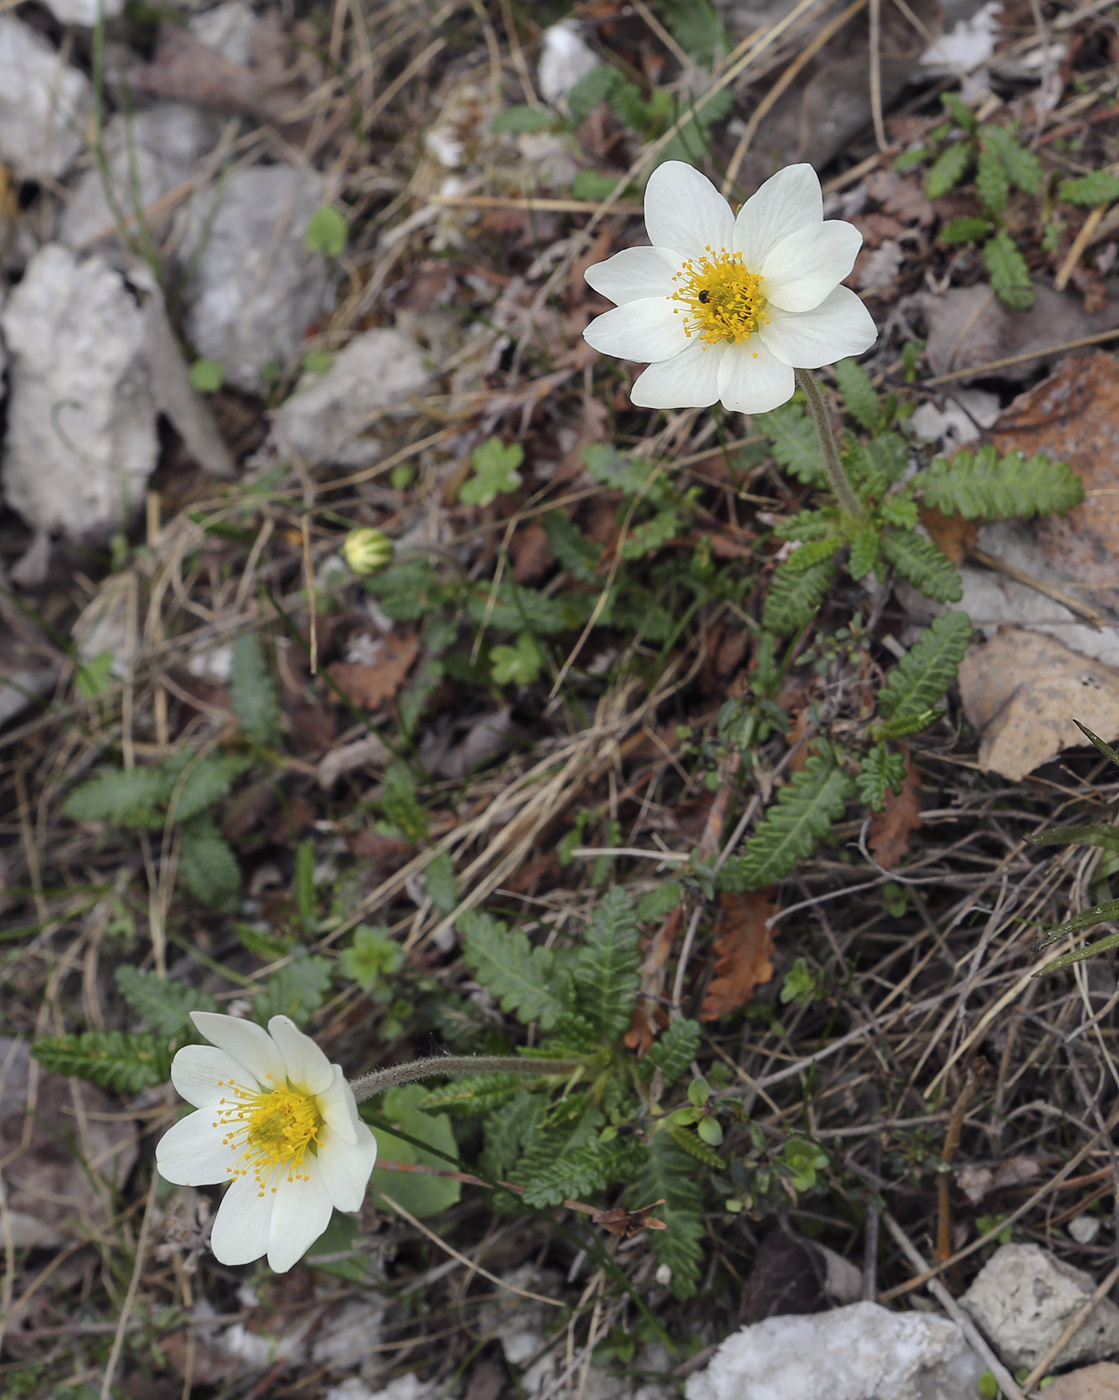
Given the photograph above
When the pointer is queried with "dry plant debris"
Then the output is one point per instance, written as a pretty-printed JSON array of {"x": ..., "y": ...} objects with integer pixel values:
[{"x": 598, "y": 757}]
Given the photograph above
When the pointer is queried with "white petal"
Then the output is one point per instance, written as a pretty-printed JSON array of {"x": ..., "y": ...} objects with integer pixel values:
[
  {"x": 249, "y": 1044},
  {"x": 689, "y": 380},
  {"x": 300, "y": 1213},
  {"x": 751, "y": 380},
  {"x": 306, "y": 1065},
  {"x": 803, "y": 268},
  {"x": 787, "y": 201},
  {"x": 240, "y": 1232},
  {"x": 840, "y": 326},
  {"x": 190, "y": 1152},
  {"x": 685, "y": 212},
  {"x": 202, "y": 1074},
  {"x": 648, "y": 329},
  {"x": 346, "y": 1167},
  {"x": 337, "y": 1106},
  {"x": 634, "y": 273}
]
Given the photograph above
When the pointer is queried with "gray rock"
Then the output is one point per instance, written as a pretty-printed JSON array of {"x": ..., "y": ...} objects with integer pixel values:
[
  {"x": 255, "y": 288},
  {"x": 227, "y": 29},
  {"x": 147, "y": 155},
  {"x": 861, "y": 1352},
  {"x": 44, "y": 104},
  {"x": 1024, "y": 1297},
  {"x": 328, "y": 417},
  {"x": 84, "y": 12},
  {"x": 81, "y": 440}
]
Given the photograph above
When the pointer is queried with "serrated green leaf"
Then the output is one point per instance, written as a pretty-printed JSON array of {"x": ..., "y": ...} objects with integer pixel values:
[
  {"x": 910, "y": 724},
  {"x": 948, "y": 168},
  {"x": 1099, "y": 187},
  {"x": 165, "y": 1005},
  {"x": 207, "y": 781},
  {"x": 1009, "y": 274},
  {"x": 1106, "y": 837},
  {"x": 523, "y": 979},
  {"x": 1021, "y": 165},
  {"x": 859, "y": 394},
  {"x": 659, "y": 902},
  {"x": 474, "y": 1095},
  {"x": 297, "y": 990},
  {"x": 133, "y": 798},
  {"x": 901, "y": 510},
  {"x": 372, "y": 957},
  {"x": 809, "y": 555},
  {"x": 440, "y": 882},
  {"x": 518, "y": 609},
  {"x": 207, "y": 864},
  {"x": 795, "y": 595},
  {"x": 495, "y": 472},
  {"x": 667, "y": 1174},
  {"x": 421, "y": 1195},
  {"x": 992, "y": 182},
  {"x": 327, "y": 232},
  {"x": 880, "y": 772},
  {"x": 984, "y": 486},
  {"x": 696, "y": 27},
  {"x": 795, "y": 444},
  {"x": 959, "y": 111},
  {"x": 517, "y": 120},
  {"x": 923, "y": 564},
  {"x": 807, "y": 525},
  {"x": 577, "y": 554},
  {"x": 964, "y": 230},
  {"x": 803, "y": 813},
  {"x": 124, "y": 1061},
  {"x": 252, "y": 692},
  {"x": 865, "y": 548},
  {"x": 926, "y": 671},
  {"x": 570, "y": 1163},
  {"x": 672, "y": 1052},
  {"x": 651, "y": 535},
  {"x": 511, "y": 1131},
  {"x": 606, "y": 969}
]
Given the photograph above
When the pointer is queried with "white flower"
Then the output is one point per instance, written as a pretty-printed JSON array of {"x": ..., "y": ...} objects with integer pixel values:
[
  {"x": 277, "y": 1119},
  {"x": 724, "y": 308}
]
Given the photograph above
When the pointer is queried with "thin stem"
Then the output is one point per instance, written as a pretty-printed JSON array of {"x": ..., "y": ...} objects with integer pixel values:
[
  {"x": 447, "y": 1066},
  {"x": 840, "y": 485}
]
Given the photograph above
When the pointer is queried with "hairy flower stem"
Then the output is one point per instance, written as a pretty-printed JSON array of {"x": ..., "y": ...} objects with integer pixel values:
[
  {"x": 446, "y": 1066},
  {"x": 840, "y": 485}
]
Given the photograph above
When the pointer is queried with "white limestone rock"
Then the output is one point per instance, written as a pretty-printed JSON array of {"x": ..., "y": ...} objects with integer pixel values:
[
  {"x": 861, "y": 1352},
  {"x": 227, "y": 29},
  {"x": 1024, "y": 1297},
  {"x": 255, "y": 287},
  {"x": 81, "y": 440},
  {"x": 329, "y": 417},
  {"x": 84, "y": 12},
  {"x": 44, "y": 104}
]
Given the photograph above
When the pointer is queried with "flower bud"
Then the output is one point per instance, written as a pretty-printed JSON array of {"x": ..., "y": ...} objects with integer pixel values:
[{"x": 366, "y": 550}]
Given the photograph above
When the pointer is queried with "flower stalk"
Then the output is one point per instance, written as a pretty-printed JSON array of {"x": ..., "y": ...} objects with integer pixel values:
[
  {"x": 837, "y": 477},
  {"x": 447, "y": 1066}
]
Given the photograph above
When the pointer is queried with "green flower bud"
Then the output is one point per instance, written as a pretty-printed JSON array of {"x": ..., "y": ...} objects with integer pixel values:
[{"x": 367, "y": 550}]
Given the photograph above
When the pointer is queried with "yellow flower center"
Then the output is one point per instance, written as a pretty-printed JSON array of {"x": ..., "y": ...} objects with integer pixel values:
[
  {"x": 271, "y": 1130},
  {"x": 719, "y": 298}
]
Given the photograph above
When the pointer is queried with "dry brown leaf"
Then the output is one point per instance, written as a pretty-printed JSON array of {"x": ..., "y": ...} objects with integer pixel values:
[
  {"x": 744, "y": 952},
  {"x": 1023, "y": 690},
  {"x": 899, "y": 818},
  {"x": 953, "y": 535},
  {"x": 1098, "y": 1382},
  {"x": 369, "y": 685},
  {"x": 1073, "y": 416},
  {"x": 532, "y": 554}
]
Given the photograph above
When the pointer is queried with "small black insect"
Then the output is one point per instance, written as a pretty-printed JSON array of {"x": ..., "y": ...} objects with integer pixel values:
[{"x": 705, "y": 296}]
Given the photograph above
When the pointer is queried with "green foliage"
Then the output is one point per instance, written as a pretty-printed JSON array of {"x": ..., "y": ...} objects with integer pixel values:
[
  {"x": 650, "y": 535},
  {"x": 965, "y": 230},
  {"x": 803, "y": 813},
  {"x": 207, "y": 865},
  {"x": 795, "y": 593},
  {"x": 515, "y": 121},
  {"x": 696, "y": 27},
  {"x": 859, "y": 394},
  {"x": 984, "y": 486},
  {"x": 440, "y": 882},
  {"x": 327, "y": 232},
  {"x": 803, "y": 1159},
  {"x": 133, "y": 798},
  {"x": 400, "y": 804},
  {"x": 923, "y": 564},
  {"x": 421, "y": 1195},
  {"x": 593, "y": 185},
  {"x": 372, "y": 957},
  {"x": 199, "y": 783},
  {"x": 163, "y": 1004},
  {"x": 252, "y": 692},
  {"x": 522, "y": 978},
  {"x": 606, "y": 968},
  {"x": 672, "y": 1052},
  {"x": 519, "y": 609},
  {"x": 865, "y": 548},
  {"x": 948, "y": 169},
  {"x": 1022, "y": 167},
  {"x": 992, "y": 182},
  {"x": 476, "y": 1094},
  {"x": 297, "y": 990},
  {"x": 659, "y": 902},
  {"x": 667, "y": 1174},
  {"x": 519, "y": 664},
  {"x": 880, "y": 772},
  {"x": 569, "y": 1162},
  {"x": 207, "y": 376},
  {"x": 1006, "y": 267},
  {"x": 794, "y": 443},
  {"x": 926, "y": 671},
  {"x": 495, "y": 472},
  {"x": 1099, "y": 187},
  {"x": 124, "y": 1061},
  {"x": 801, "y": 986}
]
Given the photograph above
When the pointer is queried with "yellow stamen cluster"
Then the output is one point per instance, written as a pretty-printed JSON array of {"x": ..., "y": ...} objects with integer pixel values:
[
  {"x": 721, "y": 300},
  {"x": 271, "y": 1130}
]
